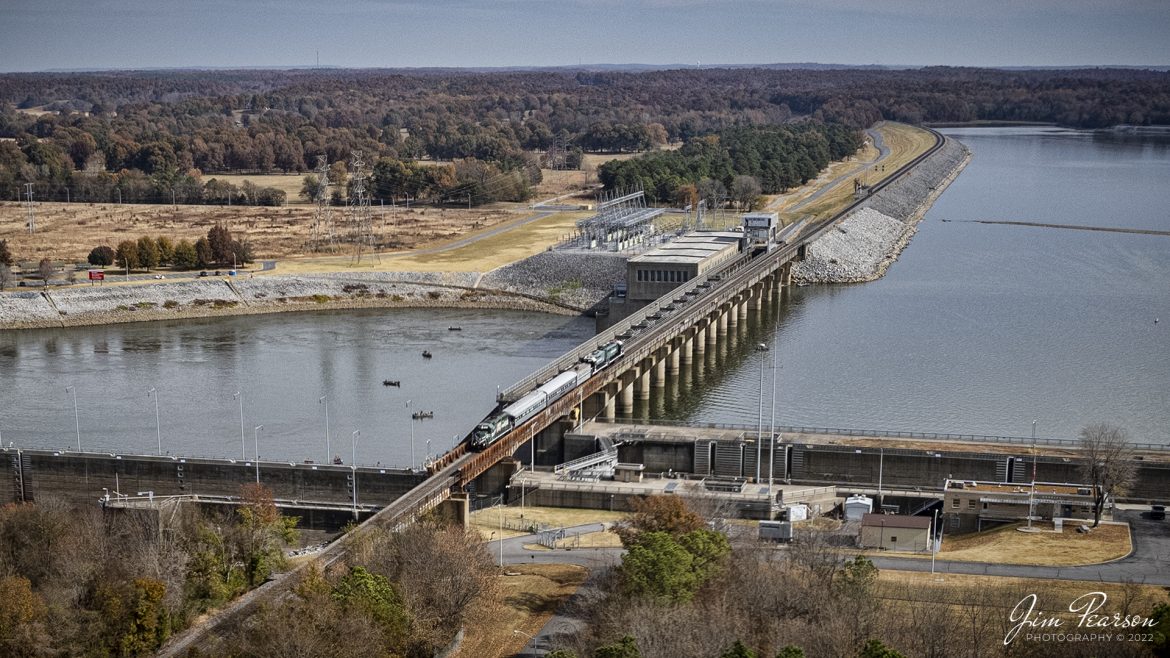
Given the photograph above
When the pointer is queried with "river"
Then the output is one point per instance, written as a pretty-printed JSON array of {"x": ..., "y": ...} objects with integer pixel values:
[
  {"x": 983, "y": 328},
  {"x": 977, "y": 329}
]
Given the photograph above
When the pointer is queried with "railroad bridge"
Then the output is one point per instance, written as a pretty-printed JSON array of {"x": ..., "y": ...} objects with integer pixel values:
[{"x": 694, "y": 320}]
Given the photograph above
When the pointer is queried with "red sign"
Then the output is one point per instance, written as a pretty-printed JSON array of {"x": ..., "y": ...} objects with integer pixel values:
[{"x": 97, "y": 275}]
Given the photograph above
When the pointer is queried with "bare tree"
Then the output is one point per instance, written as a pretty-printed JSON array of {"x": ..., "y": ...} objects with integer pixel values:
[
  {"x": 45, "y": 268},
  {"x": 5, "y": 276},
  {"x": 1108, "y": 466}
]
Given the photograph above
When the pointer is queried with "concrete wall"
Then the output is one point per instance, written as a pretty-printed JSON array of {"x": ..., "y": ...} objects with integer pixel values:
[{"x": 81, "y": 477}]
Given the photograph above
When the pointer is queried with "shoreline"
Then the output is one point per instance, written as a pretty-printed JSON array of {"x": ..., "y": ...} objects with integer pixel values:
[
  {"x": 872, "y": 267},
  {"x": 215, "y": 299}
]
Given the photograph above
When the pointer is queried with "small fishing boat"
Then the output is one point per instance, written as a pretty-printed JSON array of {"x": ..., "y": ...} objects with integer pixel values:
[
  {"x": 427, "y": 354},
  {"x": 454, "y": 328},
  {"x": 391, "y": 382},
  {"x": 420, "y": 415}
]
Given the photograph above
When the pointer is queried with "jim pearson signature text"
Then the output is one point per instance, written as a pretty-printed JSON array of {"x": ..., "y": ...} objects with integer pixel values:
[{"x": 1084, "y": 611}]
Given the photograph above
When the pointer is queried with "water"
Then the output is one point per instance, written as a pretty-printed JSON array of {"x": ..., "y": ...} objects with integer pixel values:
[
  {"x": 283, "y": 363},
  {"x": 976, "y": 329},
  {"x": 984, "y": 328}
]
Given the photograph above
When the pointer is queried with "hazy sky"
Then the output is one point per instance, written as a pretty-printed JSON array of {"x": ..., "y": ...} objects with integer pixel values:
[{"x": 37, "y": 35}]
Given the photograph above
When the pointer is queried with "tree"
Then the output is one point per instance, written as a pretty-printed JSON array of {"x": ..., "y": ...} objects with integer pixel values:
[
  {"x": 5, "y": 254},
  {"x": 876, "y": 649},
  {"x": 219, "y": 238},
  {"x": 310, "y": 188},
  {"x": 658, "y": 568},
  {"x": 668, "y": 514},
  {"x": 627, "y": 647},
  {"x": 127, "y": 254},
  {"x": 203, "y": 254},
  {"x": 372, "y": 595},
  {"x": 1108, "y": 464},
  {"x": 263, "y": 533},
  {"x": 185, "y": 257},
  {"x": 101, "y": 256},
  {"x": 790, "y": 651},
  {"x": 22, "y": 617},
  {"x": 745, "y": 190},
  {"x": 166, "y": 251},
  {"x": 1161, "y": 630},
  {"x": 738, "y": 650},
  {"x": 45, "y": 269},
  {"x": 147, "y": 252},
  {"x": 5, "y": 276}
]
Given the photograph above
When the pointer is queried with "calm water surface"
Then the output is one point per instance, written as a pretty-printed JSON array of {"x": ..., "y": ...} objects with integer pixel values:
[
  {"x": 983, "y": 328},
  {"x": 977, "y": 328},
  {"x": 283, "y": 363}
]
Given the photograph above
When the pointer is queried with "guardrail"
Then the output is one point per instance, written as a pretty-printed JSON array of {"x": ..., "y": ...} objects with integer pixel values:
[
  {"x": 658, "y": 306},
  {"x": 894, "y": 434}
]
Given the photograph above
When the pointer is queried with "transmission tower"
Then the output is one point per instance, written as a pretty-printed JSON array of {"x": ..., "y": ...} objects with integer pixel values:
[
  {"x": 323, "y": 216},
  {"x": 361, "y": 218}
]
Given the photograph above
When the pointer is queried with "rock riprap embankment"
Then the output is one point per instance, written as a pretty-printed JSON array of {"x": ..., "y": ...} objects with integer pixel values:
[
  {"x": 864, "y": 244},
  {"x": 853, "y": 251},
  {"x": 578, "y": 279}
]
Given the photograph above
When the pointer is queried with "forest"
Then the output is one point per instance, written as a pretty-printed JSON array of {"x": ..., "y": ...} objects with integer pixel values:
[{"x": 148, "y": 135}]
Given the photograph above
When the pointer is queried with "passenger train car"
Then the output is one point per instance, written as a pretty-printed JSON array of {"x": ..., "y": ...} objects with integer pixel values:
[{"x": 497, "y": 425}]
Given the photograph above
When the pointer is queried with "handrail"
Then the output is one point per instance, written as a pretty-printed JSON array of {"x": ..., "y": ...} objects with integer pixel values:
[{"x": 570, "y": 358}]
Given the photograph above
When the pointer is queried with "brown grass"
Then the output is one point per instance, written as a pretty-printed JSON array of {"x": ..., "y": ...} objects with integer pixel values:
[
  {"x": 67, "y": 232},
  {"x": 905, "y": 143},
  {"x": 487, "y": 521},
  {"x": 1056, "y": 594},
  {"x": 530, "y": 598},
  {"x": 290, "y": 184},
  {"x": 1008, "y": 545}
]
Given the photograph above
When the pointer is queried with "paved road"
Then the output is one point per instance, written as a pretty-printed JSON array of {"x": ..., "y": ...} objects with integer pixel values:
[
  {"x": 1147, "y": 563},
  {"x": 463, "y": 242},
  {"x": 883, "y": 152}
]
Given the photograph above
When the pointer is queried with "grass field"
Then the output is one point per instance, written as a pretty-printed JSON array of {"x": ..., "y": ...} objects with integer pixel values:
[
  {"x": 68, "y": 231},
  {"x": 487, "y": 521},
  {"x": 1008, "y": 545},
  {"x": 905, "y": 143},
  {"x": 530, "y": 594},
  {"x": 290, "y": 184}
]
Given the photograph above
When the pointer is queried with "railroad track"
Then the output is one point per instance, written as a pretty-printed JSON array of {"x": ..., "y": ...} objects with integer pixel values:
[{"x": 453, "y": 471}]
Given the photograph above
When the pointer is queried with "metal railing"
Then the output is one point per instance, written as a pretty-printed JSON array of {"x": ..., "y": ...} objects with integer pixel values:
[{"x": 894, "y": 434}]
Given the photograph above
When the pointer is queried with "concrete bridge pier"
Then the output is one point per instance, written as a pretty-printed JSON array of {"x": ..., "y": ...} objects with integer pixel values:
[
  {"x": 626, "y": 398},
  {"x": 660, "y": 371},
  {"x": 643, "y": 381},
  {"x": 673, "y": 369},
  {"x": 700, "y": 341},
  {"x": 608, "y": 405},
  {"x": 688, "y": 350},
  {"x": 712, "y": 329},
  {"x": 743, "y": 307},
  {"x": 733, "y": 314}
]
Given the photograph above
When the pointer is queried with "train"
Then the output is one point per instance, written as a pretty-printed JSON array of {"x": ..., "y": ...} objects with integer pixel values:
[{"x": 499, "y": 423}]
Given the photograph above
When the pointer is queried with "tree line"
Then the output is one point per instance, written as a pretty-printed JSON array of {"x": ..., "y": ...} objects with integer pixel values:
[
  {"x": 683, "y": 590},
  {"x": 171, "y": 123},
  {"x": 147, "y": 253},
  {"x": 737, "y": 163},
  {"x": 89, "y": 582}
]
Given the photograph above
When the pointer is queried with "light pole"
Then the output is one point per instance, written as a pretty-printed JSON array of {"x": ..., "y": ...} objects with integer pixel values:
[
  {"x": 353, "y": 467},
  {"x": 933, "y": 546},
  {"x": 324, "y": 399},
  {"x": 411, "y": 436},
  {"x": 256, "y": 438},
  {"x": 76, "y": 423},
  {"x": 1032, "y": 491},
  {"x": 772, "y": 424},
  {"x": 243, "y": 449},
  {"x": 157, "y": 423},
  {"x": 760, "y": 426}
]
